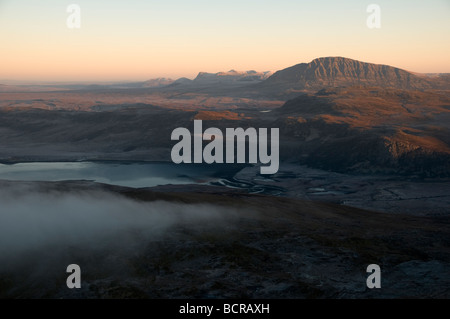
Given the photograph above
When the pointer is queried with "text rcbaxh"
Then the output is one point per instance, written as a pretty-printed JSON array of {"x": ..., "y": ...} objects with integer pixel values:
[{"x": 213, "y": 151}]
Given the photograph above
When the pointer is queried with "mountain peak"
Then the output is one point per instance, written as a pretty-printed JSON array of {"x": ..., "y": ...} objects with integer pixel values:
[
  {"x": 232, "y": 76},
  {"x": 158, "y": 82},
  {"x": 340, "y": 72}
]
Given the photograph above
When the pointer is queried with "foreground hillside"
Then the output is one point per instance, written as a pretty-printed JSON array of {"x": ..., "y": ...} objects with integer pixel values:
[{"x": 211, "y": 242}]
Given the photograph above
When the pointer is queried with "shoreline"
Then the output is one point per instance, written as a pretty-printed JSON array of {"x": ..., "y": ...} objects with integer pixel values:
[{"x": 381, "y": 193}]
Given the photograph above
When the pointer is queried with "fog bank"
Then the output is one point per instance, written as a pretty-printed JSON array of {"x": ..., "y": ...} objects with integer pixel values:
[{"x": 36, "y": 222}]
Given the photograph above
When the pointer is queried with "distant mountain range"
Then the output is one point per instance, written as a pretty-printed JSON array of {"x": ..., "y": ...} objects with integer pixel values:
[
  {"x": 158, "y": 82},
  {"x": 231, "y": 76},
  {"x": 326, "y": 72},
  {"x": 220, "y": 78}
]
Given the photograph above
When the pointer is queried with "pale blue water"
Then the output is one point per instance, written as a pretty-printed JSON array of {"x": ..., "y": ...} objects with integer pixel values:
[
  {"x": 132, "y": 174},
  {"x": 123, "y": 174}
]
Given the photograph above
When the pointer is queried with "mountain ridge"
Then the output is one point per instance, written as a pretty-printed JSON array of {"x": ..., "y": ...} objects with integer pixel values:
[
  {"x": 342, "y": 72},
  {"x": 232, "y": 76}
]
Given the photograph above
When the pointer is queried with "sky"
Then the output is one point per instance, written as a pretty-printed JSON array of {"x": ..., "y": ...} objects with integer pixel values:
[{"x": 138, "y": 40}]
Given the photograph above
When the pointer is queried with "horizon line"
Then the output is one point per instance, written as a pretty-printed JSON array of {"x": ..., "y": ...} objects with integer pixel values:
[{"x": 125, "y": 80}]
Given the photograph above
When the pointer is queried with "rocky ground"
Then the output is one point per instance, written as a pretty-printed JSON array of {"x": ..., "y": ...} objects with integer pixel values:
[{"x": 384, "y": 193}]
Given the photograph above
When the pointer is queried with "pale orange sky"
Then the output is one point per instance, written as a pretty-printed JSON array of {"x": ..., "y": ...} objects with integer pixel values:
[{"x": 138, "y": 40}]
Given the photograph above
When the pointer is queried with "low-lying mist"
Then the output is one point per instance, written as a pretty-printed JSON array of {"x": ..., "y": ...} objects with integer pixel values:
[{"x": 37, "y": 225}]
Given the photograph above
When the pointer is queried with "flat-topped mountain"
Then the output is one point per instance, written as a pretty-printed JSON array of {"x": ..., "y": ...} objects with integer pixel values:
[
  {"x": 342, "y": 72},
  {"x": 158, "y": 82},
  {"x": 231, "y": 76}
]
